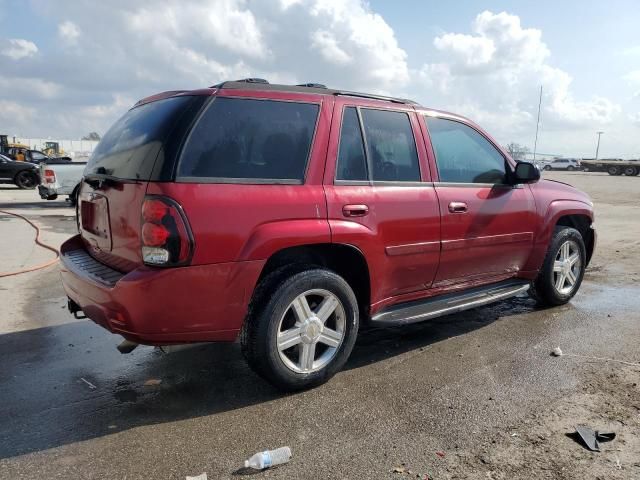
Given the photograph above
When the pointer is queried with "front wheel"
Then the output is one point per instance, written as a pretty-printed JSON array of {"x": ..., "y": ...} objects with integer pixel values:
[
  {"x": 301, "y": 328},
  {"x": 26, "y": 180},
  {"x": 563, "y": 268},
  {"x": 571, "y": 168},
  {"x": 547, "y": 167}
]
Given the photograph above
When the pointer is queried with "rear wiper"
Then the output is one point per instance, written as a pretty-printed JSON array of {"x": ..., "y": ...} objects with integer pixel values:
[{"x": 98, "y": 180}]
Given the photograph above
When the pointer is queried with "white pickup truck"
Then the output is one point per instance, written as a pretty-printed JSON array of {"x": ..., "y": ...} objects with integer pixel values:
[{"x": 60, "y": 178}]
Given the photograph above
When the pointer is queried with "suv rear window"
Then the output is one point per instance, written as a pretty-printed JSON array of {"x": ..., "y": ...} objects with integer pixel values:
[
  {"x": 253, "y": 141},
  {"x": 130, "y": 147}
]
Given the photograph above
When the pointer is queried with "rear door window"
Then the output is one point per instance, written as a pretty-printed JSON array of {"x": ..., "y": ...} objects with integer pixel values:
[
  {"x": 390, "y": 154},
  {"x": 391, "y": 146},
  {"x": 130, "y": 147},
  {"x": 254, "y": 141}
]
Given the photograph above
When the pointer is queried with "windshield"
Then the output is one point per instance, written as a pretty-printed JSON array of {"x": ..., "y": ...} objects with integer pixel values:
[{"x": 130, "y": 147}]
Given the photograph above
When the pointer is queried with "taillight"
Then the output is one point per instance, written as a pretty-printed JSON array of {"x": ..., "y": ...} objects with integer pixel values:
[
  {"x": 166, "y": 236},
  {"x": 49, "y": 176}
]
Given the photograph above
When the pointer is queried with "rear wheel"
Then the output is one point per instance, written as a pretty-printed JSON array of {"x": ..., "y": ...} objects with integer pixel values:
[
  {"x": 301, "y": 328},
  {"x": 571, "y": 168},
  {"x": 563, "y": 268},
  {"x": 614, "y": 170},
  {"x": 630, "y": 171},
  {"x": 26, "y": 180},
  {"x": 547, "y": 167}
]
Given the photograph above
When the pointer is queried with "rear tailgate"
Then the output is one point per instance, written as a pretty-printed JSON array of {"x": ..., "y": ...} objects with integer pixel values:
[
  {"x": 109, "y": 221},
  {"x": 116, "y": 178}
]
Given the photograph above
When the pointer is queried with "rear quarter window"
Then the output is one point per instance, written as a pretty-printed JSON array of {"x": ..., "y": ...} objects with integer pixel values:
[
  {"x": 130, "y": 147},
  {"x": 250, "y": 141}
]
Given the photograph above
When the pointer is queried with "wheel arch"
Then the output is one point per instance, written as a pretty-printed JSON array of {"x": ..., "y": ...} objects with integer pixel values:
[
  {"x": 344, "y": 259},
  {"x": 571, "y": 213}
]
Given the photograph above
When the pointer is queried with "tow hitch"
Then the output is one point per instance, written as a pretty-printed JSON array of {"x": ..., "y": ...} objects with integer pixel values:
[{"x": 75, "y": 309}]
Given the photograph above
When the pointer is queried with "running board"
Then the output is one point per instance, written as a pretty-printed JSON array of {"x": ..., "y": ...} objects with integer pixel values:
[{"x": 417, "y": 311}]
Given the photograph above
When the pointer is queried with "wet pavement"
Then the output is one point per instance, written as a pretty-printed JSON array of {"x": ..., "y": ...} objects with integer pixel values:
[{"x": 73, "y": 407}]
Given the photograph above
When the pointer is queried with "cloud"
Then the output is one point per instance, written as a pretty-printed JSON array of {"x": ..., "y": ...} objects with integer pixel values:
[
  {"x": 69, "y": 32},
  {"x": 18, "y": 48},
  {"x": 495, "y": 73},
  {"x": 135, "y": 50},
  {"x": 123, "y": 50},
  {"x": 328, "y": 47},
  {"x": 34, "y": 87},
  {"x": 635, "y": 118}
]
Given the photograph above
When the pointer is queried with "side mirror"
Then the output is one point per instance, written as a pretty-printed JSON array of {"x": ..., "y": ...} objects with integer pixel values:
[{"x": 526, "y": 172}]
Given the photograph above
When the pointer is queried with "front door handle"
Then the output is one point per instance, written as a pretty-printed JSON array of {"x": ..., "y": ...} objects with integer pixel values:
[
  {"x": 355, "y": 210},
  {"x": 458, "y": 207}
]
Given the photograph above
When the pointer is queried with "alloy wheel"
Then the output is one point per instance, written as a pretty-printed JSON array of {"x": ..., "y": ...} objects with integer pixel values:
[
  {"x": 311, "y": 331},
  {"x": 567, "y": 267}
]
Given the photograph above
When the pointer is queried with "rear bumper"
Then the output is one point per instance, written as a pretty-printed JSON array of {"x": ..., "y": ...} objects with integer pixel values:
[
  {"x": 153, "y": 306},
  {"x": 46, "y": 194}
]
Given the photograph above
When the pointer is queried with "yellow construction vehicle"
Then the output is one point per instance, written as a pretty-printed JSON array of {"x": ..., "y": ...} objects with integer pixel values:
[
  {"x": 5, "y": 146},
  {"x": 53, "y": 149}
]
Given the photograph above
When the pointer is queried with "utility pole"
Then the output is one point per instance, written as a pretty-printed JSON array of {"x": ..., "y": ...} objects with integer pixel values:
[
  {"x": 598, "y": 145},
  {"x": 535, "y": 143}
]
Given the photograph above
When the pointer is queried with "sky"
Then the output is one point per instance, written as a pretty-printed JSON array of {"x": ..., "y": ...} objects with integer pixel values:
[{"x": 69, "y": 67}]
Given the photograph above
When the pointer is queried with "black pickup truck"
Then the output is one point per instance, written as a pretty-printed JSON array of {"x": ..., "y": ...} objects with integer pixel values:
[{"x": 21, "y": 174}]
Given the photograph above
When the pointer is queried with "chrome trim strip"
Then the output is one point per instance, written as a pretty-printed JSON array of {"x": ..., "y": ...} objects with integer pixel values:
[
  {"x": 505, "y": 186},
  {"x": 487, "y": 240},
  {"x": 244, "y": 181},
  {"x": 412, "y": 248}
]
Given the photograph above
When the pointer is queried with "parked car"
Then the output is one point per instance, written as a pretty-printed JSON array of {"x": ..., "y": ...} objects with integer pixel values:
[
  {"x": 288, "y": 216},
  {"x": 21, "y": 174},
  {"x": 60, "y": 178},
  {"x": 563, "y": 164}
]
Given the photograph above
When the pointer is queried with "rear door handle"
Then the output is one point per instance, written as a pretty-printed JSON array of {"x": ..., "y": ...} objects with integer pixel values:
[
  {"x": 355, "y": 210},
  {"x": 458, "y": 207}
]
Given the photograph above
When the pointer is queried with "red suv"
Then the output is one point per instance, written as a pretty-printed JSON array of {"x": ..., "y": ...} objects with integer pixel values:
[{"x": 288, "y": 216}]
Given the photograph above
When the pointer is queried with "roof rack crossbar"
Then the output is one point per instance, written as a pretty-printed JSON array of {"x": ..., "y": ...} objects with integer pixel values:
[
  {"x": 242, "y": 80},
  {"x": 311, "y": 85}
]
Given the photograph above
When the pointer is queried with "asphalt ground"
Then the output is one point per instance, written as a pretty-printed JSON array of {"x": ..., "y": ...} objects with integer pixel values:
[{"x": 471, "y": 395}]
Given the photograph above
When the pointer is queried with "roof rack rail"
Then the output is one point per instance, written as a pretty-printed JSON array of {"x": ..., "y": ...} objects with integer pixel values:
[
  {"x": 311, "y": 85},
  {"x": 347, "y": 93}
]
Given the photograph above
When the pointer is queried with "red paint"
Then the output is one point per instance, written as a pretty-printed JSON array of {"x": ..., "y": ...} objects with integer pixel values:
[{"x": 418, "y": 240}]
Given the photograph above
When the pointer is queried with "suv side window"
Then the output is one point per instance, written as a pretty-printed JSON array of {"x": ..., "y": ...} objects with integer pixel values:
[
  {"x": 352, "y": 161},
  {"x": 239, "y": 139},
  {"x": 391, "y": 147},
  {"x": 463, "y": 155}
]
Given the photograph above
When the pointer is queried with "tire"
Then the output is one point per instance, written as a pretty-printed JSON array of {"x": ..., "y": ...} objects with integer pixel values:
[
  {"x": 630, "y": 171},
  {"x": 25, "y": 180},
  {"x": 272, "y": 312},
  {"x": 547, "y": 167},
  {"x": 73, "y": 198},
  {"x": 571, "y": 168},
  {"x": 545, "y": 287},
  {"x": 614, "y": 170}
]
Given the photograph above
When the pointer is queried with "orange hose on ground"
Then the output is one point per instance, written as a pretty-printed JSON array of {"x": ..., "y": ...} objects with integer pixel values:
[{"x": 39, "y": 242}]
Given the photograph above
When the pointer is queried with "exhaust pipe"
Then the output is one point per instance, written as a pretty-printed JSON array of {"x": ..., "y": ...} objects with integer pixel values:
[{"x": 127, "y": 346}]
